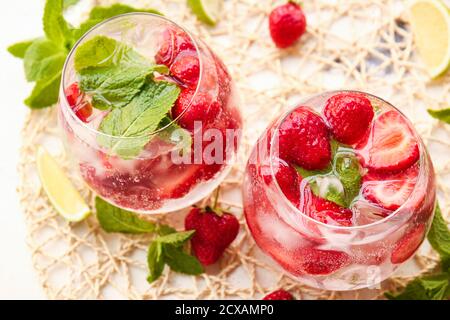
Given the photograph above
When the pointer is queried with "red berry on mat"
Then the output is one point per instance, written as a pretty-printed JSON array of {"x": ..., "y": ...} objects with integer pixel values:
[
  {"x": 349, "y": 116},
  {"x": 287, "y": 23},
  {"x": 394, "y": 146},
  {"x": 408, "y": 244},
  {"x": 390, "y": 190},
  {"x": 213, "y": 233},
  {"x": 304, "y": 139},
  {"x": 279, "y": 295}
]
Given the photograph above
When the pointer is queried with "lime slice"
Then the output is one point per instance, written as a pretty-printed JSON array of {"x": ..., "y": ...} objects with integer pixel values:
[
  {"x": 206, "y": 10},
  {"x": 61, "y": 192},
  {"x": 430, "y": 21}
]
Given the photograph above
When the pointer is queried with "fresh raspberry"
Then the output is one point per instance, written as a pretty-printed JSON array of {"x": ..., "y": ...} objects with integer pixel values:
[
  {"x": 390, "y": 190},
  {"x": 287, "y": 24},
  {"x": 173, "y": 42},
  {"x": 349, "y": 116},
  {"x": 76, "y": 100},
  {"x": 186, "y": 68},
  {"x": 279, "y": 295},
  {"x": 304, "y": 140},
  {"x": 213, "y": 233},
  {"x": 394, "y": 146},
  {"x": 408, "y": 244},
  {"x": 203, "y": 108},
  {"x": 330, "y": 213}
]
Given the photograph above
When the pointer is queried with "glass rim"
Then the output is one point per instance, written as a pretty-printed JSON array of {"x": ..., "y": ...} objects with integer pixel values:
[
  {"x": 337, "y": 227},
  {"x": 65, "y": 104}
]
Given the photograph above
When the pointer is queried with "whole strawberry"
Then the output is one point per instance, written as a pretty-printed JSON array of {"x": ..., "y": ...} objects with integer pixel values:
[
  {"x": 349, "y": 116},
  {"x": 279, "y": 295},
  {"x": 287, "y": 24},
  {"x": 214, "y": 231},
  {"x": 304, "y": 140}
]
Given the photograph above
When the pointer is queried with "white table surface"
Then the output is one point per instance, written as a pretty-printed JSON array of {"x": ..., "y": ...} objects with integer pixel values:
[{"x": 19, "y": 20}]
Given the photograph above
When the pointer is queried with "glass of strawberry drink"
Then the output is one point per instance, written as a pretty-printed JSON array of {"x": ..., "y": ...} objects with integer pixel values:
[
  {"x": 149, "y": 114},
  {"x": 340, "y": 191}
]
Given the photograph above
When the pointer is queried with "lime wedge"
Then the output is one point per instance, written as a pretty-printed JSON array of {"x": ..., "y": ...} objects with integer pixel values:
[
  {"x": 206, "y": 10},
  {"x": 430, "y": 21},
  {"x": 61, "y": 192}
]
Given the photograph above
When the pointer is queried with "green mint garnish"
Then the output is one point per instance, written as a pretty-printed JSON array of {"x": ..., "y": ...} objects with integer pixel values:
[
  {"x": 168, "y": 248},
  {"x": 56, "y": 28},
  {"x": 114, "y": 219},
  {"x": 18, "y": 49},
  {"x": 42, "y": 60},
  {"x": 43, "y": 64},
  {"x": 340, "y": 181},
  {"x": 138, "y": 119},
  {"x": 346, "y": 166},
  {"x": 435, "y": 286},
  {"x": 443, "y": 115},
  {"x": 111, "y": 72},
  {"x": 328, "y": 187}
]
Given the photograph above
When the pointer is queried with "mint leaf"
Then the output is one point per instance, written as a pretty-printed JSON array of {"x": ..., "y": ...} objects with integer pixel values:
[
  {"x": 155, "y": 261},
  {"x": 45, "y": 92},
  {"x": 111, "y": 72},
  {"x": 176, "y": 239},
  {"x": 55, "y": 27},
  {"x": 138, "y": 119},
  {"x": 176, "y": 135},
  {"x": 43, "y": 59},
  {"x": 114, "y": 219},
  {"x": 101, "y": 52},
  {"x": 439, "y": 237},
  {"x": 100, "y": 14},
  {"x": 347, "y": 170},
  {"x": 169, "y": 249},
  {"x": 435, "y": 287},
  {"x": 328, "y": 187},
  {"x": 113, "y": 87},
  {"x": 18, "y": 49},
  {"x": 443, "y": 115},
  {"x": 180, "y": 261}
]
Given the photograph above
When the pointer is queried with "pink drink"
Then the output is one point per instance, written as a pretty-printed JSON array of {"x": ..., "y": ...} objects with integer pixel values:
[
  {"x": 157, "y": 178},
  {"x": 363, "y": 239}
]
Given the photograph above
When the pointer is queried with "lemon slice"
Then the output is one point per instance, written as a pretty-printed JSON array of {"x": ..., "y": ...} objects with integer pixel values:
[
  {"x": 61, "y": 192},
  {"x": 430, "y": 21},
  {"x": 206, "y": 10}
]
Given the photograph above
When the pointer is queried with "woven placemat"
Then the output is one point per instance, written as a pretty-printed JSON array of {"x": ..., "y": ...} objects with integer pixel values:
[{"x": 365, "y": 45}]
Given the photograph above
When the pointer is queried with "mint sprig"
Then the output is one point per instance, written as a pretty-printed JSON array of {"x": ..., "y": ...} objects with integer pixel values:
[
  {"x": 43, "y": 62},
  {"x": 340, "y": 181},
  {"x": 435, "y": 286},
  {"x": 169, "y": 248}
]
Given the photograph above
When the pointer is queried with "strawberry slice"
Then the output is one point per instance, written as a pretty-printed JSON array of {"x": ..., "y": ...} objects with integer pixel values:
[
  {"x": 321, "y": 262},
  {"x": 287, "y": 177},
  {"x": 408, "y": 244},
  {"x": 390, "y": 190},
  {"x": 330, "y": 213},
  {"x": 394, "y": 146}
]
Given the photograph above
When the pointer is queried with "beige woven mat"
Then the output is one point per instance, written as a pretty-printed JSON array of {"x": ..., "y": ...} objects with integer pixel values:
[{"x": 363, "y": 44}]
